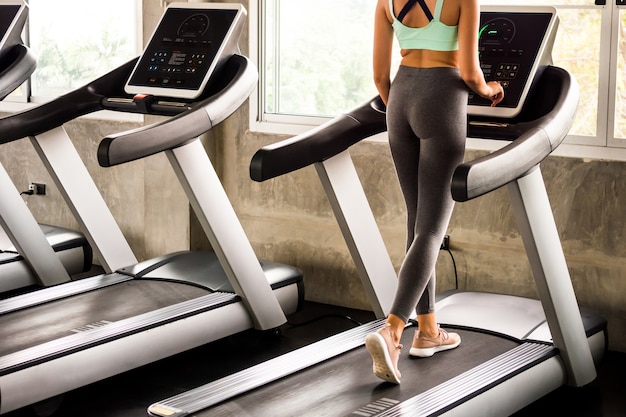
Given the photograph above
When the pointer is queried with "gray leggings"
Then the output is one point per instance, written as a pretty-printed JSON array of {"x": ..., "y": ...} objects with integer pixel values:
[{"x": 427, "y": 124}]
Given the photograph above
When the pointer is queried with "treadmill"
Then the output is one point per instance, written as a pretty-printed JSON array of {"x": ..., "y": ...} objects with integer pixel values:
[
  {"x": 515, "y": 350},
  {"x": 60, "y": 338},
  {"x": 27, "y": 250}
]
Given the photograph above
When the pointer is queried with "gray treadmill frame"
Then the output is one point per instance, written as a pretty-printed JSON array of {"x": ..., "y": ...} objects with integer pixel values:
[
  {"x": 206, "y": 196},
  {"x": 226, "y": 235},
  {"x": 535, "y": 375},
  {"x": 99, "y": 361},
  {"x": 113, "y": 357},
  {"x": 213, "y": 209},
  {"x": 254, "y": 305}
]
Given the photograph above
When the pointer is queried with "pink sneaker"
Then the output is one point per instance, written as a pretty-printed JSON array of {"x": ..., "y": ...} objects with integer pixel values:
[
  {"x": 385, "y": 354},
  {"x": 425, "y": 347}
]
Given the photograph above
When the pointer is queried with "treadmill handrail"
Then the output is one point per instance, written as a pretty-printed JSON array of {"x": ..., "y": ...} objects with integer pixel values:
[
  {"x": 17, "y": 64},
  {"x": 138, "y": 143},
  {"x": 321, "y": 143},
  {"x": 55, "y": 113},
  {"x": 538, "y": 139},
  {"x": 534, "y": 140}
]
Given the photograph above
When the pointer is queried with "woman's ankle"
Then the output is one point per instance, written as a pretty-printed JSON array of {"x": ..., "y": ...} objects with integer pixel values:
[
  {"x": 397, "y": 327},
  {"x": 427, "y": 324}
]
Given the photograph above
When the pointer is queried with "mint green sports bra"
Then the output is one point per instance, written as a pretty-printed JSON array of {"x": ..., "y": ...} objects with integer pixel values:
[{"x": 436, "y": 36}]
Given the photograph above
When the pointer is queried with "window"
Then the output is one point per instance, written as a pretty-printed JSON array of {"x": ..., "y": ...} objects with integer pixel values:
[
  {"x": 315, "y": 60},
  {"x": 334, "y": 65},
  {"x": 76, "y": 41}
]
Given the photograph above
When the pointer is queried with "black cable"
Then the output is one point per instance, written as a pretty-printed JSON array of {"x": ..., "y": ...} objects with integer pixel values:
[{"x": 456, "y": 275}]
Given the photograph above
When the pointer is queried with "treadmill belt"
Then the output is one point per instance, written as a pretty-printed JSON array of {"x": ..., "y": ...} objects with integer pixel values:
[
  {"x": 346, "y": 386},
  {"x": 33, "y": 326}
]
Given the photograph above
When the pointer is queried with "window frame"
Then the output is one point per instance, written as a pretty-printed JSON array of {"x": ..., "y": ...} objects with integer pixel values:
[
  {"x": 602, "y": 146},
  {"x": 612, "y": 141},
  {"x": 281, "y": 124}
]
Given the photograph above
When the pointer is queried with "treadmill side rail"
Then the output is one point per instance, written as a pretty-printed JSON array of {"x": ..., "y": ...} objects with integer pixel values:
[
  {"x": 535, "y": 140},
  {"x": 58, "y": 292},
  {"x": 532, "y": 368},
  {"x": 263, "y": 373},
  {"x": 100, "y": 335},
  {"x": 320, "y": 143}
]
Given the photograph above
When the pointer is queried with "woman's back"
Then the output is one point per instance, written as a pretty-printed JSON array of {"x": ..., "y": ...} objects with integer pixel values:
[
  {"x": 424, "y": 55},
  {"x": 416, "y": 17}
]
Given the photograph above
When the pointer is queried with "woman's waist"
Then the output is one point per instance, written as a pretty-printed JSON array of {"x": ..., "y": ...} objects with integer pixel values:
[
  {"x": 450, "y": 77},
  {"x": 423, "y": 58}
]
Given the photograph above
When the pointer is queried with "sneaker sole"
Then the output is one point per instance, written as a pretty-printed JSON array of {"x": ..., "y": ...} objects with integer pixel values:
[
  {"x": 383, "y": 368},
  {"x": 428, "y": 352}
]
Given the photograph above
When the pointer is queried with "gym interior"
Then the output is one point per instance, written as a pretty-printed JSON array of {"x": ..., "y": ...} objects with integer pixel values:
[{"x": 289, "y": 220}]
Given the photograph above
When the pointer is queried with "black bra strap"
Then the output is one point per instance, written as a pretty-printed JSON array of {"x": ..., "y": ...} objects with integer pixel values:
[{"x": 409, "y": 5}]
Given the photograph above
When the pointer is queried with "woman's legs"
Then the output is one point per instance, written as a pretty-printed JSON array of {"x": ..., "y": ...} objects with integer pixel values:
[
  {"x": 430, "y": 204},
  {"x": 426, "y": 188},
  {"x": 427, "y": 128},
  {"x": 424, "y": 171}
]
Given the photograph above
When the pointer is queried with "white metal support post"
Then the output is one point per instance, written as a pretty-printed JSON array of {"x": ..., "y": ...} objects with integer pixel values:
[
  {"x": 226, "y": 235},
  {"x": 360, "y": 231},
  {"x": 70, "y": 175},
  {"x": 543, "y": 246}
]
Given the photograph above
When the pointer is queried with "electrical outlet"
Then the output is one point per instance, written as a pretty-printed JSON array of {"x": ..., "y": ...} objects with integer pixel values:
[
  {"x": 445, "y": 245},
  {"x": 37, "y": 188}
]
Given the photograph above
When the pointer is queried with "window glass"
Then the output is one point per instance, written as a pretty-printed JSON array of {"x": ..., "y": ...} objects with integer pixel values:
[
  {"x": 577, "y": 49},
  {"x": 75, "y": 41},
  {"x": 317, "y": 55}
]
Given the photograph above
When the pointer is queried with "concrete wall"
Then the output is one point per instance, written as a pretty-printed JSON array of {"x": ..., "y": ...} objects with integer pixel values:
[
  {"x": 144, "y": 196},
  {"x": 289, "y": 220}
]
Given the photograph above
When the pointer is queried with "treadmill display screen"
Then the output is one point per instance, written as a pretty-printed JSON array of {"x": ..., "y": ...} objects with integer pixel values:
[
  {"x": 183, "y": 51},
  {"x": 8, "y": 12},
  {"x": 510, "y": 47}
]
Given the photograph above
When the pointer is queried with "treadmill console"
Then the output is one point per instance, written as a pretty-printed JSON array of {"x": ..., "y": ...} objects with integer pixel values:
[
  {"x": 190, "y": 42},
  {"x": 514, "y": 44},
  {"x": 13, "y": 15}
]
